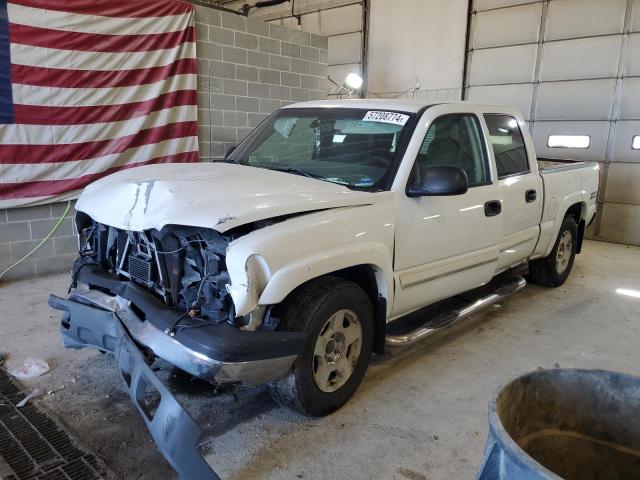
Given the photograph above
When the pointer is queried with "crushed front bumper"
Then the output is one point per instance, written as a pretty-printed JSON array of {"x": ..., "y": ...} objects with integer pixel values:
[{"x": 123, "y": 318}]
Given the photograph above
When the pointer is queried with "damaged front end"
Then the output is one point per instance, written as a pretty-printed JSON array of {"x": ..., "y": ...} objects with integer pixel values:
[{"x": 165, "y": 294}]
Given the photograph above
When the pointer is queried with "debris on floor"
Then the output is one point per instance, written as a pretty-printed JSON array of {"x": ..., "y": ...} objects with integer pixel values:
[
  {"x": 30, "y": 368},
  {"x": 34, "y": 394}
]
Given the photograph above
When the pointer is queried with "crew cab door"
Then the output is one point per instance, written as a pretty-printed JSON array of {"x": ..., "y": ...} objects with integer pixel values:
[
  {"x": 520, "y": 188},
  {"x": 445, "y": 245}
]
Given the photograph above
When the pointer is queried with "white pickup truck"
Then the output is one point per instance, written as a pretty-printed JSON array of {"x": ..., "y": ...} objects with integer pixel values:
[{"x": 303, "y": 251}]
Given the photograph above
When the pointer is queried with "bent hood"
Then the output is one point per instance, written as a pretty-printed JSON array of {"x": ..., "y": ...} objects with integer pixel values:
[{"x": 210, "y": 195}]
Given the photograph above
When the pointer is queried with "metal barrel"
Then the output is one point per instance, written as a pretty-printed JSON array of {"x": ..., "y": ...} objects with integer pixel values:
[{"x": 564, "y": 424}]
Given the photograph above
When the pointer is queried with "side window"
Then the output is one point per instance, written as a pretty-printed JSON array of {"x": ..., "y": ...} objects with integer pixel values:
[
  {"x": 455, "y": 140},
  {"x": 508, "y": 145}
]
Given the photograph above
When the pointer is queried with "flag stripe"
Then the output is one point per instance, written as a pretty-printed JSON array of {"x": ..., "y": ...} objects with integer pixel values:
[
  {"x": 42, "y": 115},
  {"x": 92, "y": 42},
  {"x": 67, "y": 78},
  {"x": 46, "y": 188},
  {"x": 13, "y": 173},
  {"x": 76, "y": 22},
  {"x": 95, "y": 97},
  {"x": 52, "y": 57},
  {"x": 25, "y": 154},
  {"x": 108, "y": 8},
  {"x": 37, "y": 135},
  {"x": 6, "y": 103}
]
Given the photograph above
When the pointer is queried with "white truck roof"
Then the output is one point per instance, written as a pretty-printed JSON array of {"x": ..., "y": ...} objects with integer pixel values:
[{"x": 400, "y": 104}]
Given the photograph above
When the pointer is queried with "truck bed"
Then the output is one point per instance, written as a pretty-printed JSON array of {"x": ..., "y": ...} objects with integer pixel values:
[{"x": 548, "y": 165}]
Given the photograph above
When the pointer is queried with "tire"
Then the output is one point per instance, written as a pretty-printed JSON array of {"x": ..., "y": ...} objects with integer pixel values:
[
  {"x": 553, "y": 271},
  {"x": 327, "y": 309}
]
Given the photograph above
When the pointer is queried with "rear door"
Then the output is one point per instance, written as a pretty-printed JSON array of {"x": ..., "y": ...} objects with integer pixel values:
[
  {"x": 520, "y": 188},
  {"x": 445, "y": 245}
]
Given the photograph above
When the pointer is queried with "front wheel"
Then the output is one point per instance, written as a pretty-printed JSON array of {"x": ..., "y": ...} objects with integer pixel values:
[
  {"x": 553, "y": 271},
  {"x": 338, "y": 318}
]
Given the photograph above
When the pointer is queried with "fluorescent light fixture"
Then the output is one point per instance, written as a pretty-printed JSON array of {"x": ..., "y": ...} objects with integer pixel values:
[
  {"x": 636, "y": 142},
  {"x": 628, "y": 292},
  {"x": 354, "y": 81},
  {"x": 568, "y": 141}
]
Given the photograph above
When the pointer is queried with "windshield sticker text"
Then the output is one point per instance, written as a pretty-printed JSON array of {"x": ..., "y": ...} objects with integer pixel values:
[{"x": 386, "y": 117}]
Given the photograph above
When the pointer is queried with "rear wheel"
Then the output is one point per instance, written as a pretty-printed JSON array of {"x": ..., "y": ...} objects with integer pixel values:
[
  {"x": 553, "y": 271},
  {"x": 337, "y": 316}
]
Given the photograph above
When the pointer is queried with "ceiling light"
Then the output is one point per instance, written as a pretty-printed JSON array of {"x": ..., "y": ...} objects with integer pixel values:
[{"x": 354, "y": 81}]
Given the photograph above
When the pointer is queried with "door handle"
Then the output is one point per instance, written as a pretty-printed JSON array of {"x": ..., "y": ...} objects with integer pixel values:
[
  {"x": 530, "y": 196},
  {"x": 492, "y": 208}
]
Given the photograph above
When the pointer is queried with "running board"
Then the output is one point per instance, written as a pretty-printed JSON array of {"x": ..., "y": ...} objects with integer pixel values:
[{"x": 504, "y": 287}]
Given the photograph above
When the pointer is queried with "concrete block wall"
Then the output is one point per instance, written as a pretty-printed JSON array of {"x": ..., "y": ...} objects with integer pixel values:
[
  {"x": 21, "y": 229},
  {"x": 246, "y": 70}
]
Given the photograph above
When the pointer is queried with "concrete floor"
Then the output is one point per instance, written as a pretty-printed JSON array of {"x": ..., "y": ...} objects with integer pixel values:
[{"x": 419, "y": 414}]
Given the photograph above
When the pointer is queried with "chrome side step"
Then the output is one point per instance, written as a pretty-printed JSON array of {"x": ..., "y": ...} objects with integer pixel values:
[{"x": 510, "y": 285}]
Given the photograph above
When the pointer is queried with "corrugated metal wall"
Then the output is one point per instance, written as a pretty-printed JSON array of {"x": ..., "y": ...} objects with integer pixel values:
[{"x": 573, "y": 68}]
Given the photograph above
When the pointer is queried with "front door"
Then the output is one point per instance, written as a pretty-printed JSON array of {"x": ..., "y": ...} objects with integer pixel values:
[{"x": 446, "y": 245}]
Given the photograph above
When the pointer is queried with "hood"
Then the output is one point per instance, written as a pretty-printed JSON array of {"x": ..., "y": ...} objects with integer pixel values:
[{"x": 210, "y": 195}]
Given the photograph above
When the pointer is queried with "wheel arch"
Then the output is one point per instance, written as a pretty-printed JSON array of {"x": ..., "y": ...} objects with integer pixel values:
[{"x": 578, "y": 211}]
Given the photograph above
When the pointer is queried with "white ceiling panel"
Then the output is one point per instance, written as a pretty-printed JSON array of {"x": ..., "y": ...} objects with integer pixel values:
[
  {"x": 622, "y": 151},
  {"x": 578, "y": 18},
  {"x": 598, "y": 131},
  {"x": 518, "y": 96},
  {"x": 508, "y": 26},
  {"x": 345, "y": 48},
  {"x": 503, "y": 65},
  {"x": 632, "y": 66},
  {"x": 578, "y": 100},
  {"x": 334, "y": 21},
  {"x": 630, "y": 101},
  {"x": 488, "y": 4},
  {"x": 581, "y": 59}
]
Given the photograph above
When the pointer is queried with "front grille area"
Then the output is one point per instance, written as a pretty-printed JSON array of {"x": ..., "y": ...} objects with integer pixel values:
[
  {"x": 141, "y": 269},
  {"x": 34, "y": 447}
]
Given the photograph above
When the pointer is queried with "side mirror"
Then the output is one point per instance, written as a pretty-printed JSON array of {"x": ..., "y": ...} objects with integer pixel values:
[
  {"x": 440, "y": 181},
  {"x": 230, "y": 151}
]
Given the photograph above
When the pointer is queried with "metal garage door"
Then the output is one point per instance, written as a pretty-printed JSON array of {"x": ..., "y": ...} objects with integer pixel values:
[{"x": 572, "y": 67}]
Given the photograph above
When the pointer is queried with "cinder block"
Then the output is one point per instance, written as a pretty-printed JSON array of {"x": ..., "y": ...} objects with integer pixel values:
[
  {"x": 3, "y": 215},
  {"x": 247, "y": 104},
  {"x": 223, "y": 70},
  {"x": 299, "y": 66},
  {"x": 309, "y": 53},
  {"x": 217, "y": 117},
  {"x": 5, "y": 253},
  {"x": 258, "y": 59},
  {"x": 276, "y": 31},
  {"x": 246, "y": 40},
  {"x": 269, "y": 45},
  {"x": 235, "y": 119},
  {"x": 317, "y": 95},
  {"x": 281, "y": 93},
  {"x": 203, "y": 83},
  {"x": 235, "y": 87},
  {"x": 284, "y": 103},
  {"x": 290, "y": 50},
  {"x": 248, "y": 73},
  {"x": 20, "y": 249},
  {"x": 204, "y": 117},
  {"x": 260, "y": 90},
  {"x": 218, "y": 150},
  {"x": 26, "y": 269},
  {"x": 269, "y": 76},
  {"x": 220, "y": 35},
  {"x": 318, "y": 69},
  {"x": 204, "y": 133},
  {"x": 267, "y": 106},
  {"x": 257, "y": 27},
  {"x": 202, "y": 32},
  {"x": 299, "y": 94},
  {"x": 318, "y": 41},
  {"x": 256, "y": 119},
  {"x": 323, "y": 56},
  {"x": 234, "y": 55},
  {"x": 204, "y": 149},
  {"x": 14, "y": 232},
  {"x": 278, "y": 62},
  {"x": 203, "y": 100},
  {"x": 41, "y": 228},
  {"x": 29, "y": 213},
  {"x": 310, "y": 82},
  {"x": 51, "y": 266},
  {"x": 223, "y": 134},
  {"x": 300, "y": 37},
  {"x": 207, "y": 15},
  {"x": 216, "y": 85},
  {"x": 57, "y": 209},
  {"x": 290, "y": 79},
  {"x": 223, "y": 102},
  {"x": 65, "y": 245},
  {"x": 233, "y": 21}
]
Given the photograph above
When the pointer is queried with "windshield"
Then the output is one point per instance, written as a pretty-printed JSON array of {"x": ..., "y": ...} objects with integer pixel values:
[{"x": 352, "y": 147}]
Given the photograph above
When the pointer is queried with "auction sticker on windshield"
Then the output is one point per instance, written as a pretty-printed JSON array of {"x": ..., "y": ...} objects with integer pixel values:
[{"x": 386, "y": 117}]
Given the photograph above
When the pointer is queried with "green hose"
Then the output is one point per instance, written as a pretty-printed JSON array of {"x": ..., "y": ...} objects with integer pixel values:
[{"x": 66, "y": 210}]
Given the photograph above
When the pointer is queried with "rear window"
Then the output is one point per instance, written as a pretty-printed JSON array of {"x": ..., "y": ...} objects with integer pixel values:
[{"x": 508, "y": 145}]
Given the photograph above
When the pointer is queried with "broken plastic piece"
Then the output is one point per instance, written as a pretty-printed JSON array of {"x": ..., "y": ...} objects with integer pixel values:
[
  {"x": 34, "y": 394},
  {"x": 30, "y": 368}
]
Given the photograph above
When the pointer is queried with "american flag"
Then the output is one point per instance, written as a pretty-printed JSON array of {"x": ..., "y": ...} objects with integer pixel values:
[{"x": 90, "y": 87}]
